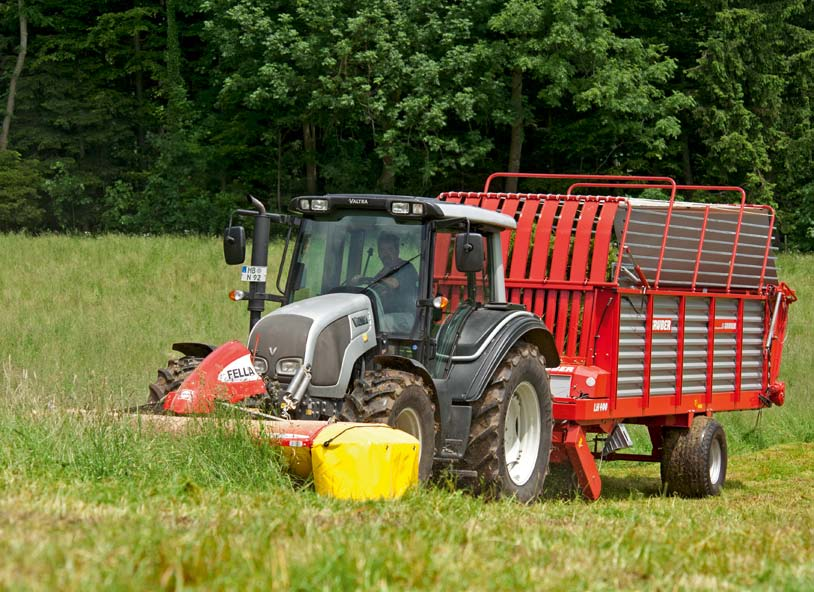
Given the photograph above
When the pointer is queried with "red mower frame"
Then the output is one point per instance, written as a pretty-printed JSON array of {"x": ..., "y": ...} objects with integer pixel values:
[{"x": 697, "y": 330}]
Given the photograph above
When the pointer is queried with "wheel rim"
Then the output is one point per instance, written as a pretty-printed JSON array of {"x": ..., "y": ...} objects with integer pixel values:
[
  {"x": 521, "y": 433},
  {"x": 407, "y": 421},
  {"x": 715, "y": 461}
]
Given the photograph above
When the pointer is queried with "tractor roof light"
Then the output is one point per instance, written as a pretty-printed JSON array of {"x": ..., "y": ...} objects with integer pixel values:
[
  {"x": 319, "y": 205},
  {"x": 305, "y": 205},
  {"x": 418, "y": 209},
  {"x": 400, "y": 208}
]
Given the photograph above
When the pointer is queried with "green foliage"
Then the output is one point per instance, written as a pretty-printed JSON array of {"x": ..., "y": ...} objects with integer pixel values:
[
  {"x": 20, "y": 202},
  {"x": 155, "y": 117}
]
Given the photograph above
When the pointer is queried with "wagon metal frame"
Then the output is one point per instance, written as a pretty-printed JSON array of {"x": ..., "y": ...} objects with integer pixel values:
[{"x": 653, "y": 328}]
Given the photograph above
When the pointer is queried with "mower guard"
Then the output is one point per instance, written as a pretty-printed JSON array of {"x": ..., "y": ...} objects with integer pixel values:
[{"x": 227, "y": 374}]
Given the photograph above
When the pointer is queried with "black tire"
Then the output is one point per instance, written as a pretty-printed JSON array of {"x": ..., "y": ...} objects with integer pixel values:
[
  {"x": 693, "y": 462},
  {"x": 521, "y": 376},
  {"x": 399, "y": 399},
  {"x": 169, "y": 379}
]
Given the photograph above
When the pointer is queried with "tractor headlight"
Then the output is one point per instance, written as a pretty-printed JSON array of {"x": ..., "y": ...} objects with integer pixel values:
[
  {"x": 288, "y": 366},
  {"x": 261, "y": 366}
]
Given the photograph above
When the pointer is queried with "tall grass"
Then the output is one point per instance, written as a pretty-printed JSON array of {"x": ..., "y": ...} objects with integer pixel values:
[
  {"x": 90, "y": 502},
  {"x": 88, "y": 319}
]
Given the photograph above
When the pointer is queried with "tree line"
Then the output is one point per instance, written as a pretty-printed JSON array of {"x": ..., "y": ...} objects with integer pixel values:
[{"x": 141, "y": 116}]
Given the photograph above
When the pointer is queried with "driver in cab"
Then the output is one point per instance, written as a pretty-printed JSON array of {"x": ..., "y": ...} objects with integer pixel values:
[{"x": 397, "y": 276}]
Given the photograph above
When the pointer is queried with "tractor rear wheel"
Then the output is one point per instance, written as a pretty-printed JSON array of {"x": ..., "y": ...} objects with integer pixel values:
[
  {"x": 510, "y": 438},
  {"x": 399, "y": 399},
  {"x": 693, "y": 462},
  {"x": 169, "y": 379}
]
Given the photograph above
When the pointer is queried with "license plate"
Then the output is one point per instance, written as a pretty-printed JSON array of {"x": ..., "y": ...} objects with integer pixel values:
[{"x": 253, "y": 273}]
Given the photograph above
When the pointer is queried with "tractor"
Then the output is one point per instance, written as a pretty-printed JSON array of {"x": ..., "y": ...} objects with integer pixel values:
[{"x": 363, "y": 334}]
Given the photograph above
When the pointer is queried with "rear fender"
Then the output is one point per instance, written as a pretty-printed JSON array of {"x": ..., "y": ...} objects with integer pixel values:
[
  {"x": 468, "y": 379},
  {"x": 227, "y": 374}
]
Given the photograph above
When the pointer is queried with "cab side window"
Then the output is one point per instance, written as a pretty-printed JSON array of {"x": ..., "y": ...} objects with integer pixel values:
[{"x": 463, "y": 291}]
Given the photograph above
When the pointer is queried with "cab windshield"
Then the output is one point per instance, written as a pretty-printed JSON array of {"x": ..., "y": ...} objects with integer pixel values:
[{"x": 370, "y": 254}]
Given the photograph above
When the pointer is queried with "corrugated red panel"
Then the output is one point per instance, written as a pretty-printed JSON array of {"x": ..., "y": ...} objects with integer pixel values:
[{"x": 554, "y": 258}]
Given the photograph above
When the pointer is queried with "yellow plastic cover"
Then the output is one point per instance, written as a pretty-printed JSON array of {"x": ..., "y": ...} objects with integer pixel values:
[{"x": 364, "y": 461}]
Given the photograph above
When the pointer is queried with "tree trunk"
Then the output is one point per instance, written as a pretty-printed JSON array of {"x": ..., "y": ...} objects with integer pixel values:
[
  {"x": 140, "y": 136},
  {"x": 175, "y": 119},
  {"x": 15, "y": 75},
  {"x": 310, "y": 143},
  {"x": 516, "y": 145},
  {"x": 685, "y": 158},
  {"x": 279, "y": 170},
  {"x": 387, "y": 180}
]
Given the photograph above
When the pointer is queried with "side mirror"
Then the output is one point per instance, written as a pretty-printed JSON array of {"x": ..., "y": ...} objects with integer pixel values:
[
  {"x": 469, "y": 252},
  {"x": 234, "y": 245}
]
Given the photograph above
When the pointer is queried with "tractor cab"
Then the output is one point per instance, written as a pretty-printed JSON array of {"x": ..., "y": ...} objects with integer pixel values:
[{"x": 422, "y": 263}]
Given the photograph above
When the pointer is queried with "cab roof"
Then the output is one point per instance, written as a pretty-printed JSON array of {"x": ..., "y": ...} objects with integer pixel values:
[{"x": 433, "y": 209}]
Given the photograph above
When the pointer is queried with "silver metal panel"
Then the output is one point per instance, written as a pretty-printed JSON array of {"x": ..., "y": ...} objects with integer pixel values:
[
  {"x": 476, "y": 215},
  {"x": 664, "y": 348},
  {"x": 664, "y": 351},
  {"x": 560, "y": 386},
  {"x": 754, "y": 320},
  {"x": 726, "y": 348},
  {"x": 630, "y": 374},
  {"x": 632, "y": 328},
  {"x": 696, "y": 330},
  {"x": 645, "y": 232},
  {"x": 322, "y": 311}
]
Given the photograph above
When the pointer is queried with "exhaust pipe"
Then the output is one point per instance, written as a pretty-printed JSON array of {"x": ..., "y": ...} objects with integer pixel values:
[{"x": 296, "y": 389}]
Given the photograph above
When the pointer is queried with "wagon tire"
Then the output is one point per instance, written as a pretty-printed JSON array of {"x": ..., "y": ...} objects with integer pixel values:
[
  {"x": 694, "y": 460},
  {"x": 510, "y": 437},
  {"x": 401, "y": 400}
]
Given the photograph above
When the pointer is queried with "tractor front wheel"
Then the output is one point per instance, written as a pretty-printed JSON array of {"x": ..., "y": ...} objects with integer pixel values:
[
  {"x": 510, "y": 437},
  {"x": 693, "y": 462},
  {"x": 169, "y": 379},
  {"x": 401, "y": 400}
]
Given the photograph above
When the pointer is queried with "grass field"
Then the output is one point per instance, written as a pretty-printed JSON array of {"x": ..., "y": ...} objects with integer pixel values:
[{"x": 90, "y": 502}]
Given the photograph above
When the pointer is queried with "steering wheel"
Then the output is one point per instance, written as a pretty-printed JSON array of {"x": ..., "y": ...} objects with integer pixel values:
[{"x": 359, "y": 280}]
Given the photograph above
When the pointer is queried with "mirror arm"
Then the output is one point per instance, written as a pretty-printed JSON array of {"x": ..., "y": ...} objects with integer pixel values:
[
  {"x": 282, "y": 261},
  {"x": 467, "y": 246}
]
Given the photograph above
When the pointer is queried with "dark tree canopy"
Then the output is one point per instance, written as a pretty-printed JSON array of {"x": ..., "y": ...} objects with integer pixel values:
[{"x": 140, "y": 116}]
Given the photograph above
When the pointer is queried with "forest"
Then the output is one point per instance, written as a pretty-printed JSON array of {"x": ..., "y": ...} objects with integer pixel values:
[{"x": 135, "y": 116}]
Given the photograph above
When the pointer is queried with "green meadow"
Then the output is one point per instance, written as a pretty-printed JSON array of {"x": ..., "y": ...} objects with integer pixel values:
[{"x": 93, "y": 502}]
